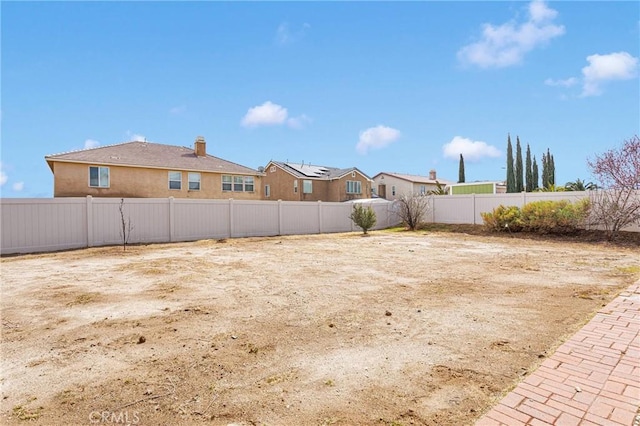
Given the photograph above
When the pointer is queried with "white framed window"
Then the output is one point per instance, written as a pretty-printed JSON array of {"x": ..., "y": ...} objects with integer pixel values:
[
  {"x": 248, "y": 184},
  {"x": 227, "y": 183},
  {"x": 307, "y": 186},
  {"x": 194, "y": 181},
  {"x": 99, "y": 177},
  {"x": 272, "y": 169},
  {"x": 295, "y": 186},
  {"x": 175, "y": 180},
  {"x": 267, "y": 191},
  {"x": 354, "y": 187},
  {"x": 423, "y": 189},
  {"x": 238, "y": 183}
]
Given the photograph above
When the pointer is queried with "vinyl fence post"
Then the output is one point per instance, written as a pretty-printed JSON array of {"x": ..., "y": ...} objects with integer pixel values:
[
  {"x": 433, "y": 208},
  {"x": 230, "y": 217},
  {"x": 89, "y": 221},
  {"x": 319, "y": 216},
  {"x": 279, "y": 217},
  {"x": 171, "y": 219},
  {"x": 473, "y": 201}
]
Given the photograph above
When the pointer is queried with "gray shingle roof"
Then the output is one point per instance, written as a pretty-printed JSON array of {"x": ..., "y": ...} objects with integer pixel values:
[
  {"x": 315, "y": 171},
  {"x": 416, "y": 178},
  {"x": 147, "y": 154}
]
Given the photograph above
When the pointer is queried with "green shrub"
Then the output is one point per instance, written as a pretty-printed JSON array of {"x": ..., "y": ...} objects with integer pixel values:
[
  {"x": 363, "y": 217},
  {"x": 543, "y": 217},
  {"x": 554, "y": 217},
  {"x": 503, "y": 219}
]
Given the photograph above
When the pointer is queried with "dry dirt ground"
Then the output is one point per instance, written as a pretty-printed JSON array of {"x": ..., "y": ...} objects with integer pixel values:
[{"x": 396, "y": 328}]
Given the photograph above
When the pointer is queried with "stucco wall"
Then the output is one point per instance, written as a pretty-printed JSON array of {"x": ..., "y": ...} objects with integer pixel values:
[
  {"x": 338, "y": 188},
  {"x": 72, "y": 180},
  {"x": 402, "y": 186},
  {"x": 281, "y": 186}
]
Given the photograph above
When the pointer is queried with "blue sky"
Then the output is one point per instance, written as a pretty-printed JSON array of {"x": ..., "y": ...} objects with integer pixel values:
[{"x": 384, "y": 86}]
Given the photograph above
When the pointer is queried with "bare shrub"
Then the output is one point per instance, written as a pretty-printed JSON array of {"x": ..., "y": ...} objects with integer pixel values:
[
  {"x": 617, "y": 204},
  {"x": 125, "y": 226},
  {"x": 411, "y": 209}
]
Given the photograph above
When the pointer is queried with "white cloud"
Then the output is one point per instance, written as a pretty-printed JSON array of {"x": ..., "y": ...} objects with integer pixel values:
[
  {"x": 564, "y": 83},
  {"x": 506, "y": 44},
  {"x": 376, "y": 138},
  {"x": 267, "y": 114},
  {"x": 3, "y": 175},
  {"x": 135, "y": 137},
  {"x": 285, "y": 36},
  {"x": 90, "y": 143},
  {"x": 602, "y": 68},
  {"x": 18, "y": 186},
  {"x": 470, "y": 150}
]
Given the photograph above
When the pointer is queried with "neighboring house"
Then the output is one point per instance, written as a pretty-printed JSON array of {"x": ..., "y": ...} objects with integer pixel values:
[
  {"x": 391, "y": 186},
  {"x": 487, "y": 187},
  {"x": 306, "y": 182},
  {"x": 151, "y": 170}
]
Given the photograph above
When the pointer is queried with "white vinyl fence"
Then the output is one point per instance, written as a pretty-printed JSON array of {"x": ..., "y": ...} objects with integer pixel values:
[
  {"x": 37, "y": 225},
  {"x": 31, "y": 225},
  {"x": 467, "y": 209}
]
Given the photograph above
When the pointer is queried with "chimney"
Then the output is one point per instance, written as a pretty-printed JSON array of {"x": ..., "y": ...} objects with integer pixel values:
[
  {"x": 200, "y": 147},
  {"x": 432, "y": 174}
]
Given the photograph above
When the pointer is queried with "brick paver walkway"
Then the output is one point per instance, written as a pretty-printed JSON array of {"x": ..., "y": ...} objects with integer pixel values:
[{"x": 592, "y": 379}]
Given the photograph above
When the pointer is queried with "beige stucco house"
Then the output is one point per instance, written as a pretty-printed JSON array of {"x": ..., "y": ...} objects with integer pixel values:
[
  {"x": 151, "y": 170},
  {"x": 305, "y": 182},
  {"x": 391, "y": 186}
]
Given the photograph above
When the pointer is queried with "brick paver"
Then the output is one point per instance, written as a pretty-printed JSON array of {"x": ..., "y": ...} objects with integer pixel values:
[{"x": 593, "y": 378}]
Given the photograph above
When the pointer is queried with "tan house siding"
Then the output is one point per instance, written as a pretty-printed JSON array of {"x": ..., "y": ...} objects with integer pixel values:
[
  {"x": 338, "y": 190},
  {"x": 281, "y": 187},
  {"x": 72, "y": 180}
]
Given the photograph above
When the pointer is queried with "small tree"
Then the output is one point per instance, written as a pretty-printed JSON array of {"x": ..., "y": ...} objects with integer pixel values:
[
  {"x": 125, "y": 226},
  {"x": 461, "y": 170},
  {"x": 363, "y": 217},
  {"x": 440, "y": 190},
  {"x": 411, "y": 209},
  {"x": 617, "y": 171}
]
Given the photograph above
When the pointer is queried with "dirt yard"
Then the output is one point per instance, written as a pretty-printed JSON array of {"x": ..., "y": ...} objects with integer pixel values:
[{"x": 396, "y": 328}]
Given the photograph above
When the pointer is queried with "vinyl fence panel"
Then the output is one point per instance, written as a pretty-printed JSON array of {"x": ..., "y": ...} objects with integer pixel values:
[
  {"x": 35, "y": 225},
  {"x": 200, "y": 219},
  {"x": 31, "y": 224},
  {"x": 255, "y": 218},
  {"x": 300, "y": 217}
]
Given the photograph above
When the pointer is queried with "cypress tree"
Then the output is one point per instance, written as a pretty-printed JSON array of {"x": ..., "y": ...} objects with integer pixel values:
[
  {"x": 552, "y": 171},
  {"x": 461, "y": 170},
  {"x": 545, "y": 171},
  {"x": 534, "y": 173},
  {"x": 518, "y": 169},
  {"x": 528, "y": 171},
  {"x": 511, "y": 181}
]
